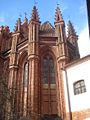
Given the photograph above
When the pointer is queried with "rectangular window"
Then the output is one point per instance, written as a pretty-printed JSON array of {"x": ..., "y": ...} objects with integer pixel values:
[{"x": 79, "y": 87}]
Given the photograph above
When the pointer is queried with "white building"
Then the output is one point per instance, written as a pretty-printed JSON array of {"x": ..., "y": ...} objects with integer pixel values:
[{"x": 77, "y": 88}]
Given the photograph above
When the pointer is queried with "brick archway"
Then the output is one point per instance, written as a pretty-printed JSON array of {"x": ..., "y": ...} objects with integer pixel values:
[{"x": 23, "y": 58}]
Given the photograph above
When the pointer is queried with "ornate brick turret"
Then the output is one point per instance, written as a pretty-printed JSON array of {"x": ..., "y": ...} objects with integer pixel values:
[
  {"x": 58, "y": 15},
  {"x": 61, "y": 58},
  {"x": 34, "y": 32},
  {"x": 61, "y": 36},
  {"x": 4, "y": 38},
  {"x": 73, "y": 38},
  {"x": 33, "y": 58},
  {"x": 35, "y": 15},
  {"x": 71, "y": 33},
  {"x": 13, "y": 60},
  {"x": 18, "y": 25}
]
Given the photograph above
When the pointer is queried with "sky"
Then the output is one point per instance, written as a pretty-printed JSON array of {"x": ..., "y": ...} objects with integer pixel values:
[{"x": 74, "y": 10}]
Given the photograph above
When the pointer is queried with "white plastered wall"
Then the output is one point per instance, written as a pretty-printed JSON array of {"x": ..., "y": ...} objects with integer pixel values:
[{"x": 77, "y": 72}]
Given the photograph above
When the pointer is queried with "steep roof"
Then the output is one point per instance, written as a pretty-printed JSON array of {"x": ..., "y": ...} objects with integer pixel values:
[{"x": 47, "y": 27}]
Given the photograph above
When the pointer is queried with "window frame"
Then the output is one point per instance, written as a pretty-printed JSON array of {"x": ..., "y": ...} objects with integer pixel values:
[
  {"x": 24, "y": 74},
  {"x": 49, "y": 71},
  {"x": 79, "y": 87}
]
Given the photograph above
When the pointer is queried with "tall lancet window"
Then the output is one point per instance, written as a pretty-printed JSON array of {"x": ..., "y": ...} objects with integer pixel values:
[
  {"x": 25, "y": 80},
  {"x": 25, "y": 88},
  {"x": 48, "y": 70}
]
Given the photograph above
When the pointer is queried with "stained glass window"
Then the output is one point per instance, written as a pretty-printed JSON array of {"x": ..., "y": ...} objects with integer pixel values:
[
  {"x": 48, "y": 70},
  {"x": 25, "y": 81}
]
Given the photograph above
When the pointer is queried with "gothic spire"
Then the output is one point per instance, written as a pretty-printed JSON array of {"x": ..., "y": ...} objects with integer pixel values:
[
  {"x": 71, "y": 30},
  {"x": 58, "y": 15},
  {"x": 18, "y": 25},
  {"x": 25, "y": 19},
  {"x": 35, "y": 15}
]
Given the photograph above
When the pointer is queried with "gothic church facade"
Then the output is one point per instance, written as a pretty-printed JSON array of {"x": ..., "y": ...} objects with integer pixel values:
[{"x": 31, "y": 62}]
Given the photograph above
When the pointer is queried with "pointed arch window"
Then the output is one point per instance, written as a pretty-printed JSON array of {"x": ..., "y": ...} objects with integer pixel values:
[
  {"x": 48, "y": 70},
  {"x": 25, "y": 80}
]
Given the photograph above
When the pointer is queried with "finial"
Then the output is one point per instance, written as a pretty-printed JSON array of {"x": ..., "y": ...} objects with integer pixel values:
[
  {"x": 69, "y": 17},
  {"x": 58, "y": 3},
  {"x": 58, "y": 15},
  {"x": 35, "y": 15},
  {"x": 35, "y": 3},
  {"x": 25, "y": 20},
  {"x": 25, "y": 14},
  {"x": 18, "y": 24},
  {"x": 20, "y": 15}
]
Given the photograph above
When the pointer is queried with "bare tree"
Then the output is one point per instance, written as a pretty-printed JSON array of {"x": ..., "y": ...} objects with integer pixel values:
[{"x": 7, "y": 102}]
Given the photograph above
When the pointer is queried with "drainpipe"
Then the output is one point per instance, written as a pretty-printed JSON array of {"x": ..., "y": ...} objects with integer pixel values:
[
  {"x": 88, "y": 13},
  {"x": 70, "y": 113}
]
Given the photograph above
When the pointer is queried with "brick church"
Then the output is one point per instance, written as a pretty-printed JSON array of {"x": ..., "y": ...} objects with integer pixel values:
[{"x": 31, "y": 62}]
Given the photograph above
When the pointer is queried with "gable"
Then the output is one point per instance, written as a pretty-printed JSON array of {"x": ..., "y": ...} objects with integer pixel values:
[{"x": 47, "y": 29}]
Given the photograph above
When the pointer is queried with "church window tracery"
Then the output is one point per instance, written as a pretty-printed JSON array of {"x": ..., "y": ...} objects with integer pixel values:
[
  {"x": 25, "y": 80},
  {"x": 48, "y": 70}
]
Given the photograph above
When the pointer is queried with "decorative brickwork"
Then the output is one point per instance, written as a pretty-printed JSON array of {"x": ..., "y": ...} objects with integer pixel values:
[{"x": 30, "y": 42}]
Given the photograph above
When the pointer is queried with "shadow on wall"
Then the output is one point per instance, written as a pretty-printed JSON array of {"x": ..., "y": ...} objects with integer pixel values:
[
  {"x": 24, "y": 118},
  {"x": 51, "y": 117},
  {"x": 45, "y": 117}
]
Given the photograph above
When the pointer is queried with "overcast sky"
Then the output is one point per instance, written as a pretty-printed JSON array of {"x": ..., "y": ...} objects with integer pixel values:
[{"x": 75, "y": 10}]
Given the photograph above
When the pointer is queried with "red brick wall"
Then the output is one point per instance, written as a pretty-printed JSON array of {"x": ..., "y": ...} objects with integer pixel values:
[
  {"x": 1, "y": 67},
  {"x": 79, "y": 115}
]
